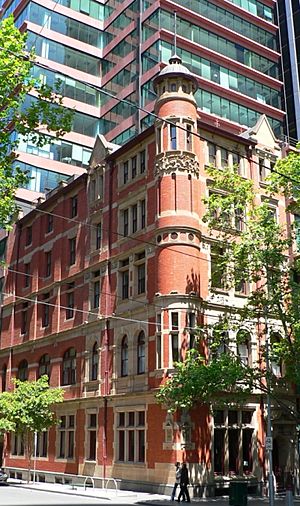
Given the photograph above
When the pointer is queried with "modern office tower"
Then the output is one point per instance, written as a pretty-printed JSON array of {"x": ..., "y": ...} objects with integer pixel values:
[
  {"x": 68, "y": 38},
  {"x": 289, "y": 22},
  {"x": 230, "y": 45}
]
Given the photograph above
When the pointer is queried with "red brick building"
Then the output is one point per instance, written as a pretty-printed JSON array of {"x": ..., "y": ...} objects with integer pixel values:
[{"x": 105, "y": 282}]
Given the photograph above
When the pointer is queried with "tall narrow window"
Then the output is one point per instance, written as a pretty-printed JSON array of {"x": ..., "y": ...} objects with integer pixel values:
[
  {"x": 72, "y": 251},
  {"x": 23, "y": 370},
  {"x": 262, "y": 169},
  {"x": 239, "y": 219},
  {"x": 44, "y": 365},
  {"x": 24, "y": 317},
  {"x": 191, "y": 324},
  {"x": 124, "y": 356},
  {"x": 69, "y": 367},
  {"x": 224, "y": 158},
  {"x": 141, "y": 353},
  {"x": 217, "y": 267},
  {"x": 49, "y": 226},
  {"x": 4, "y": 374},
  {"x": 175, "y": 336},
  {"x": 124, "y": 275},
  {"x": 134, "y": 217},
  {"x": 94, "y": 363},
  {"x": 125, "y": 222},
  {"x": 143, "y": 213},
  {"x": 74, "y": 206},
  {"x": 143, "y": 161},
  {"x": 133, "y": 167},
  {"x": 140, "y": 271},
  {"x": 158, "y": 341},
  {"x": 125, "y": 172},
  {"x": 297, "y": 230},
  {"x": 42, "y": 444},
  {"x": 96, "y": 290},
  {"x": 48, "y": 259},
  {"x": 141, "y": 278},
  {"x": 188, "y": 137},
  {"x": 70, "y": 303},
  {"x": 173, "y": 137},
  {"x": 243, "y": 346},
  {"x": 237, "y": 162},
  {"x": 92, "y": 436},
  {"x": 28, "y": 235},
  {"x": 98, "y": 235},
  {"x": 45, "y": 310},
  {"x": 212, "y": 154}
]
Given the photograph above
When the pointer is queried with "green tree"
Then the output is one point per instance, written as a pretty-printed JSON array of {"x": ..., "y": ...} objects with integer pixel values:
[
  {"x": 256, "y": 250},
  {"x": 29, "y": 408},
  {"x": 32, "y": 119}
]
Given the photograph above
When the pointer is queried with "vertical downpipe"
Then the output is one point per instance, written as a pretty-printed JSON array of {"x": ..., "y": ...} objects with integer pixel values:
[{"x": 107, "y": 313}]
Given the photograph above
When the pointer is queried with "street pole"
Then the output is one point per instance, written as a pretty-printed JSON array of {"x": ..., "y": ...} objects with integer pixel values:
[
  {"x": 269, "y": 422},
  {"x": 35, "y": 451}
]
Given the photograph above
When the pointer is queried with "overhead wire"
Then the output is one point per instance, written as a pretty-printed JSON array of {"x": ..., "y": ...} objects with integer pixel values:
[
  {"x": 132, "y": 104},
  {"x": 113, "y": 316}
]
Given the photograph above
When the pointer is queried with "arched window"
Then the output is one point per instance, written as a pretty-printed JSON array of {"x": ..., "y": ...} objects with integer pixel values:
[
  {"x": 124, "y": 356},
  {"x": 44, "y": 365},
  {"x": 94, "y": 363},
  {"x": 275, "y": 361},
  {"x": 243, "y": 339},
  {"x": 141, "y": 353},
  {"x": 4, "y": 372},
  {"x": 23, "y": 370},
  {"x": 69, "y": 367}
]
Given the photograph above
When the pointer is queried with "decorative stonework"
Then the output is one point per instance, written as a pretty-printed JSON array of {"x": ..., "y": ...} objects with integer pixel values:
[{"x": 177, "y": 162}]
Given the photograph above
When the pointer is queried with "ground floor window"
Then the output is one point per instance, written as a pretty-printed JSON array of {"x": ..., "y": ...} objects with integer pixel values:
[
  {"x": 92, "y": 436},
  {"x": 233, "y": 441},
  {"x": 17, "y": 444},
  {"x": 131, "y": 436},
  {"x": 42, "y": 444},
  {"x": 66, "y": 437}
]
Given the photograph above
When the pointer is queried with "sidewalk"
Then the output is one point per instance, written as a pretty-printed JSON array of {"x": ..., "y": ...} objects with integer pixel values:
[{"x": 130, "y": 497}]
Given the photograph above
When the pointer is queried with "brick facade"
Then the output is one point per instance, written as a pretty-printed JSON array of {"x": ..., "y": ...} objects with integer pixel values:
[{"x": 104, "y": 278}]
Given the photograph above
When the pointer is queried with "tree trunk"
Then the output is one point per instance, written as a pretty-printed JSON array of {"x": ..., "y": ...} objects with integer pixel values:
[{"x": 28, "y": 444}]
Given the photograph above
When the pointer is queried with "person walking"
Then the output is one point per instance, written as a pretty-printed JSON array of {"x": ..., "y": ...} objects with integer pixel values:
[
  {"x": 184, "y": 482},
  {"x": 177, "y": 480}
]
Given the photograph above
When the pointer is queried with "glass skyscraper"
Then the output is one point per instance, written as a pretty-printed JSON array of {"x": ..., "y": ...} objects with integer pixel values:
[
  {"x": 230, "y": 45},
  {"x": 289, "y": 22}
]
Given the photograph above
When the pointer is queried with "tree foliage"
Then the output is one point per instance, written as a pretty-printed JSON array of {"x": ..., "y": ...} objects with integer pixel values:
[
  {"x": 31, "y": 119},
  {"x": 29, "y": 408},
  {"x": 254, "y": 249}
]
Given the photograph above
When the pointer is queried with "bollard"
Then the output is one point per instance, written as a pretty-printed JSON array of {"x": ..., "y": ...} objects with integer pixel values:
[{"x": 289, "y": 499}]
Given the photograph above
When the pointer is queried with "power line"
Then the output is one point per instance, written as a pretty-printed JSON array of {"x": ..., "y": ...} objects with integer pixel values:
[{"x": 113, "y": 316}]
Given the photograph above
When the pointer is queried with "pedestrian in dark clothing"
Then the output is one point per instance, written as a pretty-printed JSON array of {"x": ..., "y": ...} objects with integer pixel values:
[
  {"x": 184, "y": 482},
  {"x": 177, "y": 480}
]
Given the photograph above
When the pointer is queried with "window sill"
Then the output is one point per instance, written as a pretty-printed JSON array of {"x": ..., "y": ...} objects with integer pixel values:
[
  {"x": 127, "y": 463},
  {"x": 242, "y": 295},
  {"x": 219, "y": 291}
]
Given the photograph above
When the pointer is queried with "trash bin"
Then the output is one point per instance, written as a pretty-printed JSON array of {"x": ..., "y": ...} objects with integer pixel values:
[{"x": 238, "y": 493}]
